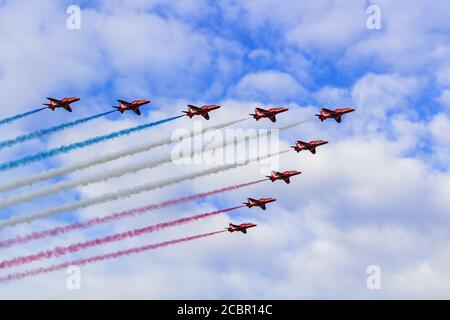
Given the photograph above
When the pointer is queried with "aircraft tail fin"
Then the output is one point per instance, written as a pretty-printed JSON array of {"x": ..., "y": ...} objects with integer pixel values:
[
  {"x": 189, "y": 114},
  {"x": 118, "y": 109}
]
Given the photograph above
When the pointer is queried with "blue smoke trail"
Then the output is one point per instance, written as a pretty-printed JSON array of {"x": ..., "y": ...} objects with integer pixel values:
[
  {"x": 77, "y": 145},
  {"x": 19, "y": 116},
  {"x": 43, "y": 132}
]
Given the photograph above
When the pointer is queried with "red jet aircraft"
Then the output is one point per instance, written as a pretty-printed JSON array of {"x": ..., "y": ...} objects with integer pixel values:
[
  {"x": 200, "y": 111},
  {"x": 63, "y": 103},
  {"x": 285, "y": 175},
  {"x": 259, "y": 203},
  {"x": 241, "y": 227},
  {"x": 133, "y": 106},
  {"x": 269, "y": 113},
  {"x": 311, "y": 146},
  {"x": 335, "y": 114}
]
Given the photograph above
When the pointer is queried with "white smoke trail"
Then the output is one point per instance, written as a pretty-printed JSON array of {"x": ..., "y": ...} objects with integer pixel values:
[
  {"x": 103, "y": 159},
  {"x": 115, "y": 173},
  {"x": 125, "y": 193}
]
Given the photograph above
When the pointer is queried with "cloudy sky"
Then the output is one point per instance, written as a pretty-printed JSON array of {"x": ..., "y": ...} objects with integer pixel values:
[{"x": 377, "y": 194}]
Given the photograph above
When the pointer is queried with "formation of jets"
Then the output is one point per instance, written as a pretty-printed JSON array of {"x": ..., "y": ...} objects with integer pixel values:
[{"x": 203, "y": 111}]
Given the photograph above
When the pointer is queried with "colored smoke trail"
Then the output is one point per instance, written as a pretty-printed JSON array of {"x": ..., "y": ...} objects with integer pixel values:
[
  {"x": 125, "y": 193},
  {"x": 104, "y": 159},
  {"x": 43, "y": 132},
  {"x": 73, "y": 248},
  {"x": 117, "y": 216},
  {"x": 20, "y": 116},
  {"x": 96, "y": 178},
  {"x": 99, "y": 258},
  {"x": 77, "y": 145},
  {"x": 113, "y": 173}
]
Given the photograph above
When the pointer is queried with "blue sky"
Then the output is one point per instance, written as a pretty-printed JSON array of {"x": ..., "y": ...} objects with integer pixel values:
[{"x": 377, "y": 194}]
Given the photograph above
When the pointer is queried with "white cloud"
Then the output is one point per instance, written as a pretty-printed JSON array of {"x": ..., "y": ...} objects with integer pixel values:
[
  {"x": 378, "y": 94},
  {"x": 332, "y": 96},
  {"x": 444, "y": 98},
  {"x": 269, "y": 85}
]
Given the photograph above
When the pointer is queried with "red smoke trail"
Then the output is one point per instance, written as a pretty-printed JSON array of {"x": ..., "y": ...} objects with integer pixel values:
[
  {"x": 59, "y": 251},
  {"x": 108, "y": 256},
  {"x": 116, "y": 216}
]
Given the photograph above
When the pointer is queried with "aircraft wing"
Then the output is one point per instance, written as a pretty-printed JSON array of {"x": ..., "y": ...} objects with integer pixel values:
[
  {"x": 54, "y": 100},
  {"x": 125, "y": 103},
  {"x": 272, "y": 118},
  {"x": 263, "y": 206},
  {"x": 68, "y": 108},
  {"x": 261, "y": 110},
  {"x": 287, "y": 180},
  {"x": 244, "y": 231},
  {"x": 194, "y": 108},
  {"x": 137, "y": 111},
  {"x": 205, "y": 115},
  {"x": 328, "y": 110}
]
